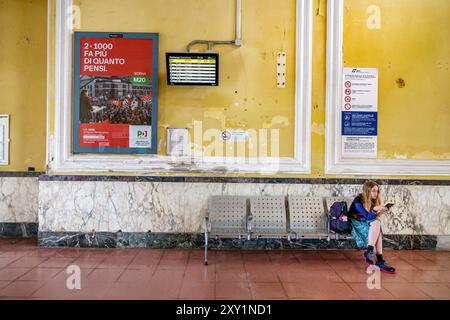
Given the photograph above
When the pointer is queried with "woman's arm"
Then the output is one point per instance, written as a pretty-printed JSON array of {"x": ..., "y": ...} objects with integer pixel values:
[
  {"x": 381, "y": 209},
  {"x": 360, "y": 208}
]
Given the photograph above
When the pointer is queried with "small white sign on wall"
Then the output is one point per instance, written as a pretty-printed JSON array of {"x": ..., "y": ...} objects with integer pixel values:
[
  {"x": 4, "y": 139},
  {"x": 235, "y": 135},
  {"x": 177, "y": 141}
]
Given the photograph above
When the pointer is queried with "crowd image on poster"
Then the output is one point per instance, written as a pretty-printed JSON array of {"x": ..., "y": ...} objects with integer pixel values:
[{"x": 115, "y": 108}]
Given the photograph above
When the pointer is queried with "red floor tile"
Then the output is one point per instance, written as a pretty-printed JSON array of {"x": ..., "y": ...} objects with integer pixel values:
[
  {"x": 69, "y": 253},
  {"x": 115, "y": 262},
  {"x": 261, "y": 290},
  {"x": 176, "y": 254},
  {"x": 354, "y": 274},
  {"x": 413, "y": 276},
  {"x": 233, "y": 290},
  {"x": 409, "y": 255},
  {"x": 20, "y": 289},
  {"x": 6, "y": 261},
  {"x": 300, "y": 275},
  {"x": 11, "y": 253},
  {"x": 344, "y": 264},
  {"x": 40, "y": 274},
  {"x": 405, "y": 291},
  {"x": 4, "y": 283},
  {"x": 316, "y": 265},
  {"x": 441, "y": 276},
  {"x": 232, "y": 274},
  {"x": 136, "y": 276},
  {"x": 163, "y": 286},
  {"x": 56, "y": 263},
  {"x": 167, "y": 276},
  {"x": 197, "y": 290},
  {"x": 105, "y": 275},
  {"x": 426, "y": 265},
  {"x": 43, "y": 252},
  {"x": 127, "y": 291},
  {"x": 362, "y": 290},
  {"x": 86, "y": 262},
  {"x": 261, "y": 274},
  {"x": 27, "y": 262},
  {"x": 402, "y": 265},
  {"x": 435, "y": 290},
  {"x": 12, "y": 273},
  {"x": 319, "y": 290},
  {"x": 332, "y": 255},
  {"x": 201, "y": 274},
  {"x": 307, "y": 255}
]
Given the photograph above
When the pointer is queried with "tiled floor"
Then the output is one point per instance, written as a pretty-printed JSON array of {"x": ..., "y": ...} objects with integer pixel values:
[{"x": 29, "y": 272}]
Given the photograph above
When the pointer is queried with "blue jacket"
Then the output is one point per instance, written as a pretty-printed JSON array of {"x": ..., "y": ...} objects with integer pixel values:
[{"x": 358, "y": 212}]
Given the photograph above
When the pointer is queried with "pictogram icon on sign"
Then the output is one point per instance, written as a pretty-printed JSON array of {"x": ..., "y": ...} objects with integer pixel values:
[
  {"x": 347, "y": 99},
  {"x": 226, "y": 135},
  {"x": 347, "y": 106},
  {"x": 348, "y": 91},
  {"x": 348, "y": 84}
]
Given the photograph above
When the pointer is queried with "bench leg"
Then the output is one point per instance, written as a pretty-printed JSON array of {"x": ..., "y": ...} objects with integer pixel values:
[{"x": 206, "y": 248}]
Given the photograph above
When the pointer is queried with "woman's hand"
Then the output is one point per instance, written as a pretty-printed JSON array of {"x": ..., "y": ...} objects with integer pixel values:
[
  {"x": 384, "y": 210},
  {"x": 378, "y": 208},
  {"x": 381, "y": 210}
]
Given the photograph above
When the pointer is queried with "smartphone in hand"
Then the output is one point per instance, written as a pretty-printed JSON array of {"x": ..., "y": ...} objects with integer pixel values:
[{"x": 389, "y": 205}]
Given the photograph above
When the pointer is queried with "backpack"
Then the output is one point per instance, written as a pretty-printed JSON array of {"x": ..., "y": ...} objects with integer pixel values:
[{"x": 339, "y": 221}]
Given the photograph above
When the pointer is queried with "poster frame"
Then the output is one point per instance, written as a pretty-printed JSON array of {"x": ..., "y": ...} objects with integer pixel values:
[{"x": 76, "y": 85}]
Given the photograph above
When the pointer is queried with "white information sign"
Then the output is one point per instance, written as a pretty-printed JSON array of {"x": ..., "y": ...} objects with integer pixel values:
[
  {"x": 359, "y": 113},
  {"x": 360, "y": 89},
  {"x": 235, "y": 135}
]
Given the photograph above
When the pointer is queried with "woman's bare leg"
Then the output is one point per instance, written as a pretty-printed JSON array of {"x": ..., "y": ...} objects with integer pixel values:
[
  {"x": 374, "y": 232},
  {"x": 379, "y": 244}
]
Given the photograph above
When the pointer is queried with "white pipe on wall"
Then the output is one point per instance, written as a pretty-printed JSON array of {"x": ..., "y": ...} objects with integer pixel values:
[{"x": 237, "y": 41}]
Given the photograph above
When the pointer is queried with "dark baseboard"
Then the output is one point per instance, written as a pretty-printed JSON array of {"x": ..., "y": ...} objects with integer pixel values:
[
  {"x": 237, "y": 179},
  {"x": 18, "y": 229},
  {"x": 193, "y": 240}
]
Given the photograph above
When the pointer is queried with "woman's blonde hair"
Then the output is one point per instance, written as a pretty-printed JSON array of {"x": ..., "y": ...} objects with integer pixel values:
[{"x": 367, "y": 201}]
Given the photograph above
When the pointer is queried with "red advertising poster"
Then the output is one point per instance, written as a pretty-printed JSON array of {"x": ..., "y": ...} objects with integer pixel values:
[{"x": 116, "y": 85}]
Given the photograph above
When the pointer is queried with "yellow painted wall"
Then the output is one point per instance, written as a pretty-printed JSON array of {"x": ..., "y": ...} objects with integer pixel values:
[
  {"x": 247, "y": 96},
  {"x": 23, "y": 57},
  {"x": 411, "y": 48}
]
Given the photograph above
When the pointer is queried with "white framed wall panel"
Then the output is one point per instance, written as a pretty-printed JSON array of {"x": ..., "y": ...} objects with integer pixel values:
[
  {"x": 334, "y": 164},
  {"x": 60, "y": 158}
]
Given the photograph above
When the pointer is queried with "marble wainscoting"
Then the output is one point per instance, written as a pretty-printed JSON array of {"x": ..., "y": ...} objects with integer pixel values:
[
  {"x": 18, "y": 204},
  {"x": 168, "y": 212}
]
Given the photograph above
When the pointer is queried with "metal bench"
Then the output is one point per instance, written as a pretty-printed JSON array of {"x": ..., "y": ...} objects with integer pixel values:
[
  {"x": 307, "y": 217},
  {"x": 268, "y": 217},
  {"x": 328, "y": 202},
  {"x": 226, "y": 217}
]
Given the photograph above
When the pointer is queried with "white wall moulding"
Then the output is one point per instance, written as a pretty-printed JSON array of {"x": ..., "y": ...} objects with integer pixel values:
[
  {"x": 4, "y": 139},
  {"x": 61, "y": 160},
  {"x": 334, "y": 164}
]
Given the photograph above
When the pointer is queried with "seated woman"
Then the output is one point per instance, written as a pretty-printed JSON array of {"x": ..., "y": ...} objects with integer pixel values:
[{"x": 365, "y": 213}]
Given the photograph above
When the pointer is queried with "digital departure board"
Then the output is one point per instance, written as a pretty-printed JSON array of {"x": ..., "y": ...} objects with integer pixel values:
[{"x": 192, "y": 69}]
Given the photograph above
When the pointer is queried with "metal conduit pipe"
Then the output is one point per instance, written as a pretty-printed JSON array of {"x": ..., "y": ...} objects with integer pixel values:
[{"x": 237, "y": 41}]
